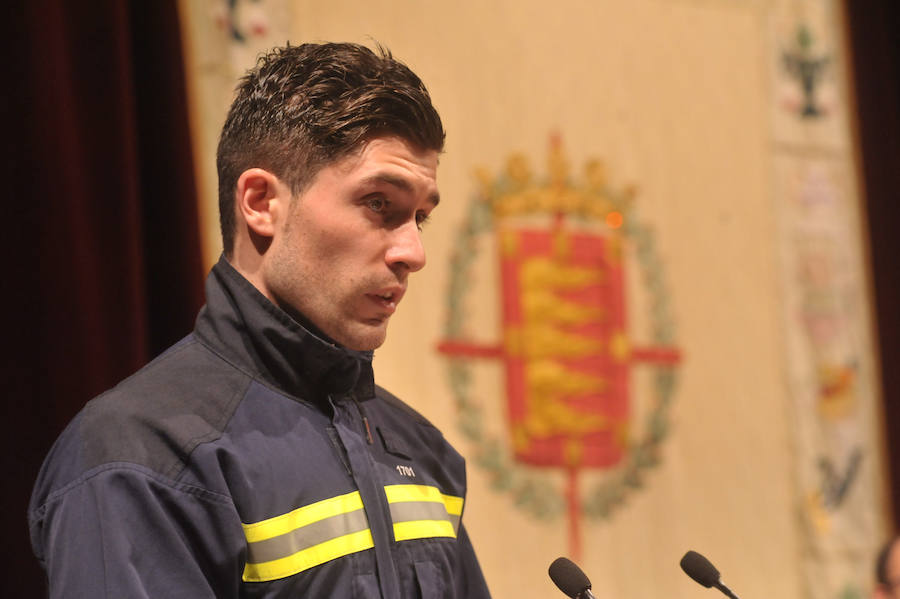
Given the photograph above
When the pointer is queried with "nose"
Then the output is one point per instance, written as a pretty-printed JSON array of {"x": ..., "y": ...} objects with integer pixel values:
[{"x": 406, "y": 250}]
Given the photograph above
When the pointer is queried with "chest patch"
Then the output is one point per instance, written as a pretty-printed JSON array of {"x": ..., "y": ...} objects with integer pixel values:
[{"x": 394, "y": 444}]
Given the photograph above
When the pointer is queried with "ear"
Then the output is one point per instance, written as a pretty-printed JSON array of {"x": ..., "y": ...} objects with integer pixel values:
[{"x": 262, "y": 200}]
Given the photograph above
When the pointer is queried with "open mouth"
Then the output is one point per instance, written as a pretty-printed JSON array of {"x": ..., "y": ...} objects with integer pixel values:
[
  {"x": 387, "y": 298},
  {"x": 387, "y": 301}
]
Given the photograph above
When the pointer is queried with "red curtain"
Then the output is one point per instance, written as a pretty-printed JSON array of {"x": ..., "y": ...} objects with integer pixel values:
[{"x": 100, "y": 246}]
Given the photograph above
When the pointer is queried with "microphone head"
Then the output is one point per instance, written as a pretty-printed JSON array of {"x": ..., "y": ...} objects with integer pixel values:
[
  {"x": 699, "y": 568},
  {"x": 568, "y": 577}
]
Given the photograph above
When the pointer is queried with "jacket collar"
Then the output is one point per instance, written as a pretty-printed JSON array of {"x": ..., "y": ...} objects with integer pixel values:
[{"x": 240, "y": 324}]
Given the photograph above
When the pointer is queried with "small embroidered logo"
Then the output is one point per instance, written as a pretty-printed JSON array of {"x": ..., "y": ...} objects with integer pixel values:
[{"x": 406, "y": 471}]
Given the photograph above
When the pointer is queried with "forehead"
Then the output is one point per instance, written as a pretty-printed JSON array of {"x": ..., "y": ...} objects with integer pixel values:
[{"x": 393, "y": 161}]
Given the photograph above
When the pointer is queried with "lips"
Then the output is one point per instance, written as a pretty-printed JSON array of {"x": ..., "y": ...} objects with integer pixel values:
[{"x": 388, "y": 298}]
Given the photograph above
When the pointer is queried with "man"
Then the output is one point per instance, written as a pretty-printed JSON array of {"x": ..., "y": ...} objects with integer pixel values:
[
  {"x": 256, "y": 457},
  {"x": 887, "y": 571}
]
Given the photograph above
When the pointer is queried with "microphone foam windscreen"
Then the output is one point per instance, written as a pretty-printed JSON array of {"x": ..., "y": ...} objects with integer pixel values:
[
  {"x": 699, "y": 568},
  {"x": 568, "y": 577}
]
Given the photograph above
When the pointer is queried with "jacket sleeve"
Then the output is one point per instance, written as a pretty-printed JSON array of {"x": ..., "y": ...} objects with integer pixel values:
[
  {"x": 123, "y": 531},
  {"x": 469, "y": 577}
]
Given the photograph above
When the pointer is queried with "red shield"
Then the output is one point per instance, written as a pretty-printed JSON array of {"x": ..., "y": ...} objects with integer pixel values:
[{"x": 565, "y": 347}]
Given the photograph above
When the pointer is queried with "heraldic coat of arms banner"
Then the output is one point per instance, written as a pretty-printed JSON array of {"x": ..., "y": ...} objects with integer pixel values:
[{"x": 562, "y": 258}]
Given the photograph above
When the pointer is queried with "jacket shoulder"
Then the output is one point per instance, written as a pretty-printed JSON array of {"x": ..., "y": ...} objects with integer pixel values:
[{"x": 157, "y": 416}]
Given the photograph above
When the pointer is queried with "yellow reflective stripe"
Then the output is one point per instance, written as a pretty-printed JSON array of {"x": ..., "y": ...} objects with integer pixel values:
[
  {"x": 423, "y": 529},
  {"x": 454, "y": 504},
  {"x": 310, "y": 557},
  {"x": 398, "y": 493},
  {"x": 279, "y": 525},
  {"x": 419, "y": 511},
  {"x": 424, "y": 495}
]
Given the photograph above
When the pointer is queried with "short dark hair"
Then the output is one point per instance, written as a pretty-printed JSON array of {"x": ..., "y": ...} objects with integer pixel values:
[
  {"x": 881, "y": 562},
  {"x": 303, "y": 107}
]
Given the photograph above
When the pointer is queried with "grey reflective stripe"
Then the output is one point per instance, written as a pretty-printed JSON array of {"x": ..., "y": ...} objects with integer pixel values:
[
  {"x": 408, "y": 511},
  {"x": 307, "y": 536},
  {"x": 454, "y": 520}
]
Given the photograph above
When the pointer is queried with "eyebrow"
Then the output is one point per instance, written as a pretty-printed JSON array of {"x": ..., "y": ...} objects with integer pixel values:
[{"x": 400, "y": 183}]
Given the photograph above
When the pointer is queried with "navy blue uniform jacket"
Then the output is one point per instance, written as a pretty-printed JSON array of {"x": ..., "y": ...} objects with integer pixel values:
[{"x": 253, "y": 459}]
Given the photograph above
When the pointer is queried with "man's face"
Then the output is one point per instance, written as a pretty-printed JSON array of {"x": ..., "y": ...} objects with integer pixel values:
[{"x": 344, "y": 252}]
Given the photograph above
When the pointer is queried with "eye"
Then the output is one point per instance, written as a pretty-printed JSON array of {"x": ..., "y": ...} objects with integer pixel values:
[
  {"x": 421, "y": 219},
  {"x": 377, "y": 204}
]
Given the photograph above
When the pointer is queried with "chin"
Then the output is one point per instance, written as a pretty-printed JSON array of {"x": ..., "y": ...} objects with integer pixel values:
[
  {"x": 365, "y": 341},
  {"x": 364, "y": 346}
]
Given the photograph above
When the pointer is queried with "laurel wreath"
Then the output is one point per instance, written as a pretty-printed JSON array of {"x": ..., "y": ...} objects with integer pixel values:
[{"x": 533, "y": 492}]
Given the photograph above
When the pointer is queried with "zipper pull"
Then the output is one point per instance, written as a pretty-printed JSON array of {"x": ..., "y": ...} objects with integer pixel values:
[
  {"x": 368, "y": 430},
  {"x": 365, "y": 420}
]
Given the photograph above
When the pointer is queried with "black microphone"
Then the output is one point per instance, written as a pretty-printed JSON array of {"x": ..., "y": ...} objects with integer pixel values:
[
  {"x": 703, "y": 572},
  {"x": 570, "y": 579}
]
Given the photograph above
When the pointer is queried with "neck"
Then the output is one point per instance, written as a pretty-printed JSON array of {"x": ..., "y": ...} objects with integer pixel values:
[{"x": 247, "y": 259}]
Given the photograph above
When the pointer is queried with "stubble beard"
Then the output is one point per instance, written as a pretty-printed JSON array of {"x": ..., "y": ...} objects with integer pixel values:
[{"x": 296, "y": 291}]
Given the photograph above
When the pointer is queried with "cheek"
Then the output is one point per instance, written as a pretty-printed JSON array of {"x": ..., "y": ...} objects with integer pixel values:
[
  {"x": 357, "y": 250},
  {"x": 335, "y": 239}
]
